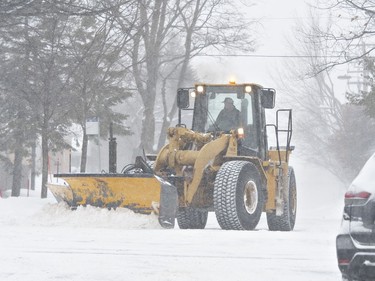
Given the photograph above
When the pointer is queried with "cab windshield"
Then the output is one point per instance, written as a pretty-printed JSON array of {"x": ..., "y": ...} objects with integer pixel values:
[{"x": 224, "y": 108}]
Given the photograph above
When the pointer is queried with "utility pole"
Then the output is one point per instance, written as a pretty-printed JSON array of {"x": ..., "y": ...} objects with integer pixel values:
[{"x": 359, "y": 72}]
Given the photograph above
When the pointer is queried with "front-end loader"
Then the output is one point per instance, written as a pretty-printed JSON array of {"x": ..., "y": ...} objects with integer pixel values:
[{"x": 206, "y": 166}]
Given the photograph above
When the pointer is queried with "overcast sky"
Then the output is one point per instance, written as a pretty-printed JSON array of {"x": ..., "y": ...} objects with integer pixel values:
[{"x": 277, "y": 19}]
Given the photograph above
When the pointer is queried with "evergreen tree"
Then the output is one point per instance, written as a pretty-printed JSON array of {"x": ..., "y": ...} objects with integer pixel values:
[
  {"x": 99, "y": 81},
  {"x": 18, "y": 128}
]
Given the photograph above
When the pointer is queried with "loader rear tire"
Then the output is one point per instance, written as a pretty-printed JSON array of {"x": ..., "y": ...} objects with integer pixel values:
[
  {"x": 191, "y": 218},
  {"x": 238, "y": 196},
  {"x": 287, "y": 220}
]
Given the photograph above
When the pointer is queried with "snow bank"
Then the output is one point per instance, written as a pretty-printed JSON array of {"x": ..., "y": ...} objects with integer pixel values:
[{"x": 32, "y": 211}]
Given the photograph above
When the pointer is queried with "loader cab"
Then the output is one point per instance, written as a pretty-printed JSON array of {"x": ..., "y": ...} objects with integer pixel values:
[{"x": 249, "y": 100}]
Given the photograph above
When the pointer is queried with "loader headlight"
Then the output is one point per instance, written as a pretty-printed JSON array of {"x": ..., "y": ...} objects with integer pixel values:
[
  {"x": 200, "y": 89},
  {"x": 193, "y": 94},
  {"x": 240, "y": 133},
  {"x": 248, "y": 89}
]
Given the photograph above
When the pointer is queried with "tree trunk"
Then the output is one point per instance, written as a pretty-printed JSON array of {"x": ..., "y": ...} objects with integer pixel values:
[
  {"x": 148, "y": 98},
  {"x": 33, "y": 165},
  {"x": 148, "y": 129},
  {"x": 84, "y": 152},
  {"x": 153, "y": 34},
  {"x": 17, "y": 169},
  {"x": 187, "y": 56},
  {"x": 44, "y": 164},
  {"x": 167, "y": 120}
]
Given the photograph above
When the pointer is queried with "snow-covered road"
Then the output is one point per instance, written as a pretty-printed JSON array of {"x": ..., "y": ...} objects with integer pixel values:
[{"x": 42, "y": 240}]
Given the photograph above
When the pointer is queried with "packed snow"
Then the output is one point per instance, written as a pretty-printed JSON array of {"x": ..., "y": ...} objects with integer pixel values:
[{"x": 41, "y": 239}]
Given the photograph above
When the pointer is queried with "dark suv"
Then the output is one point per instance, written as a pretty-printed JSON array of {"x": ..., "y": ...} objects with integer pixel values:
[{"x": 356, "y": 242}]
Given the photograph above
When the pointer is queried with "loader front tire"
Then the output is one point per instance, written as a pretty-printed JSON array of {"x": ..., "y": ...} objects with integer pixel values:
[
  {"x": 238, "y": 196},
  {"x": 287, "y": 220},
  {"x": 191, "y": 218}
]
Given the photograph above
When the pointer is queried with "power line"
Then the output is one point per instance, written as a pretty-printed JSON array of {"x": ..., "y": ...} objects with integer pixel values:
[
  {"x": 293, "y": 18},
  {"x": 268, "y": 56}
]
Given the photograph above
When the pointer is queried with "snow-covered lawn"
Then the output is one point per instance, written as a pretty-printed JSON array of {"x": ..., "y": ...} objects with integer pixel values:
[{"x": 42, "y": 240}]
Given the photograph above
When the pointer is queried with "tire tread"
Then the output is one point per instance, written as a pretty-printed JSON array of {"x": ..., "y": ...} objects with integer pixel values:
[{"x": 225, "y": 194}]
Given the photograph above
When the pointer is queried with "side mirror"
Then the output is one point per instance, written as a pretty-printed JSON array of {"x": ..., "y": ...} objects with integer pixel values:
[
  {"x": 268, "y": 98},
  {"x": 183, "y": 98}
]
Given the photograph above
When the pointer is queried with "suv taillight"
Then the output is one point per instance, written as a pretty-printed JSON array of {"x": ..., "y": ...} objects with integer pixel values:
[
  {"x": 357, "y": 195},
  {"x": 356, "y": 198},
  {"x": 354, "y": 202}
]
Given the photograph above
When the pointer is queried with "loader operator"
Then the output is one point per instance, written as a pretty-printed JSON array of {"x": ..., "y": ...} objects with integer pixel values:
[{"x": 229, "y": 117}]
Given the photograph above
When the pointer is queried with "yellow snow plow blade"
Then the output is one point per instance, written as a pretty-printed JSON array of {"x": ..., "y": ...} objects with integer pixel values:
[
  {"x": 137, "y": 193},
  {"x": 142, "y": 193}
]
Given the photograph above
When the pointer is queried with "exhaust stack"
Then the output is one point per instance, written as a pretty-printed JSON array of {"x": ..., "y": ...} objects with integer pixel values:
[{"x": 112, "y": 167}]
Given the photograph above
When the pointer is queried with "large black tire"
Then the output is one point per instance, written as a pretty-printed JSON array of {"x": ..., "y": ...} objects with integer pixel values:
[
  {"x": 287, "y": 220},
  {"x": 238, "y": 196},
  {"x": 191, "y": 218}
]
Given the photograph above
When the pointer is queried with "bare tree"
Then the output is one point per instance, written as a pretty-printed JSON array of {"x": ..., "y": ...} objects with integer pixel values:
[
  {"x": 193, "y": 26},
  {"x": 330, "y": 133},
  {"x": 205, "y": 25},
  {"x": 352, "y": 26}
]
